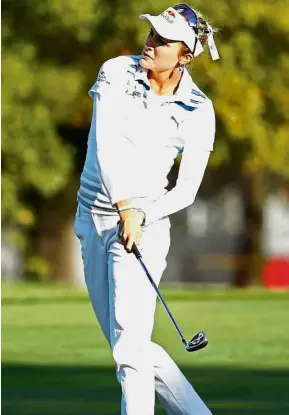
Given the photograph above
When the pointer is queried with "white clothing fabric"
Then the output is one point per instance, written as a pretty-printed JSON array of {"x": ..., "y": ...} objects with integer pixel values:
[
  {"x": 136, "y": 135},
  {"x": 124, "y": 303},
  {"x": 134, "y": 138}
]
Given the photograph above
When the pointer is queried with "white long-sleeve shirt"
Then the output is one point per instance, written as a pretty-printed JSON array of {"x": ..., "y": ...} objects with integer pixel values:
[{"x": 136, "y": 135}]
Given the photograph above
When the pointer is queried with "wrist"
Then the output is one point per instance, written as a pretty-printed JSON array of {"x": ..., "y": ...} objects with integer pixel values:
[
  {"x": 126, "y": 213},
  {"x": 124, "y": 208}
]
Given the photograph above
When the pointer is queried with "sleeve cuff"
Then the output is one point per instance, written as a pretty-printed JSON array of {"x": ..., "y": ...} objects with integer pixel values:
[{"x": 150, "y": 216}]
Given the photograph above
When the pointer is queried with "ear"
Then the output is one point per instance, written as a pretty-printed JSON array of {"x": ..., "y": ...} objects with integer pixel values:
[{"x": 185, "y": 59}]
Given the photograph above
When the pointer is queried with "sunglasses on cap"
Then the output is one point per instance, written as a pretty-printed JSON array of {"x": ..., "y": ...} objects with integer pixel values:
[
  {"x": 189, "y": 14},
  {"x": 192, "y": 19}
]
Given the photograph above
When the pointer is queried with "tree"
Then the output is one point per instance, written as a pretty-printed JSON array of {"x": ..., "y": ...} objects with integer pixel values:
[
  {"x": 250, "y": 84},
  {"x": 52, "y": 50}
]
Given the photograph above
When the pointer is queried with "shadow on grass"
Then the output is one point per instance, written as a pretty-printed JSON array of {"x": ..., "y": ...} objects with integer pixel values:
[{"x": 64, "y": 390}]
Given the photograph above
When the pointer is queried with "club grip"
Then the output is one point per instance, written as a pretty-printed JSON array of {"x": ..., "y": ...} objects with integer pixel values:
[{"x": 135, "y": 250}]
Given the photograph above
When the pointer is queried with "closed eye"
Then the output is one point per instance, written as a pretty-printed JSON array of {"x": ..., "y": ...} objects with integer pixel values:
[
  {"x": 158, "y": 38},
  {"x": 162, "y": 41}
]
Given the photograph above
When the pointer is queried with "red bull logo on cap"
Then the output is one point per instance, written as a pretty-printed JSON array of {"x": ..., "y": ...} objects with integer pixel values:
[{"x": 169, "y": 15}]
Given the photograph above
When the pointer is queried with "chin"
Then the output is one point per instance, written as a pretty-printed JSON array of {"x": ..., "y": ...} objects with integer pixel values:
[{"x": 145, "y": 63}]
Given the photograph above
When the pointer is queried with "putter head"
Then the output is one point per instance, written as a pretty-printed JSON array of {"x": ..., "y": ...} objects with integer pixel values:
[{"x": 199, "y": 341}]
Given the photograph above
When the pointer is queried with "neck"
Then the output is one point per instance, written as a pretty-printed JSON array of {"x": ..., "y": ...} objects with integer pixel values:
[{"x": 166, "y": 82}]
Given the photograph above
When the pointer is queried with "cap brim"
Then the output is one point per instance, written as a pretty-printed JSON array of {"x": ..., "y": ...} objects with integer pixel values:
[
  {"x": 161, "y": 26},
  {"x": 174, "y": 32}
]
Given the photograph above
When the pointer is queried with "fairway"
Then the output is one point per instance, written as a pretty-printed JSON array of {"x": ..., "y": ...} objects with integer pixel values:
[{"x": 55, "y": 360}]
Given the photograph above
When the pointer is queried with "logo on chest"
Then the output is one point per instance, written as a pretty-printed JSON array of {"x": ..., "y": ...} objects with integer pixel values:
[
  {"x": 175, "y": 120},
  {"x": 136, "y": 94}
]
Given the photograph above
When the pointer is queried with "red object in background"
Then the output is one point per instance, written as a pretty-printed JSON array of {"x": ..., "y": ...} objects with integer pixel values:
[{"x": 276, "y": 273}]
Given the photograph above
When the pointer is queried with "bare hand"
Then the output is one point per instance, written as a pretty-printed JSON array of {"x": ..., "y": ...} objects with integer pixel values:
[{"x": 130, "y": 228}]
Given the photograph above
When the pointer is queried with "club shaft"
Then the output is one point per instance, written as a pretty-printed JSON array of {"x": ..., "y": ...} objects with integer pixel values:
[{"x": 139, "y": 258}]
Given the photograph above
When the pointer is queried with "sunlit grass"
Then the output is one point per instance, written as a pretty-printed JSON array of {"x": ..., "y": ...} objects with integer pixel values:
[{"x": 56, "y": 360}]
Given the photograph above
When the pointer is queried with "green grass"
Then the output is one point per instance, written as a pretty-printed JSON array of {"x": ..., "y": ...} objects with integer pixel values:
[{"x": 56, "y": 361}]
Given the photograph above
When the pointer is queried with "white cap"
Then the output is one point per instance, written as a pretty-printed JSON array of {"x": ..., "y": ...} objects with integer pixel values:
[{"x": 173, "y": 26}]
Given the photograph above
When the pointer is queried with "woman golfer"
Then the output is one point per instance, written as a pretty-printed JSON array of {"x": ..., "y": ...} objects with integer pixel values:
[{"x": 146, "y": 111}]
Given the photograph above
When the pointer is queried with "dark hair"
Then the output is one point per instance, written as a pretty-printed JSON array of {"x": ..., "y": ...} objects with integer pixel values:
[{"x": 202, "y": 30}]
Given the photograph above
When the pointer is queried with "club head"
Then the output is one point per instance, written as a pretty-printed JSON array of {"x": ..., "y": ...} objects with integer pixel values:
[{"x": 199, "y": 341}]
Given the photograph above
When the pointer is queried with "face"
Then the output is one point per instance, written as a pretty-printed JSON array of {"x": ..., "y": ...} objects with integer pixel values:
[{"x": 160, "y": 54}]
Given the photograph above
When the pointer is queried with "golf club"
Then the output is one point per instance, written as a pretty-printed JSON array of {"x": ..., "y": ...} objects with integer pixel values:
[{"x": 200, "y": 340}]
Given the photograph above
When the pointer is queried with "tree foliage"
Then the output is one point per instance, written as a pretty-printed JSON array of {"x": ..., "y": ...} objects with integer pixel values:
[
  {"x": 250, "y": 85},
  {"x": 51, "y": 51}
]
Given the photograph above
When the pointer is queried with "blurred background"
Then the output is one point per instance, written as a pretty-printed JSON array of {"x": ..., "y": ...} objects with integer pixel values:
[
  {"x": 51, "y": 53},
  {"x": 235, "y": 235}
]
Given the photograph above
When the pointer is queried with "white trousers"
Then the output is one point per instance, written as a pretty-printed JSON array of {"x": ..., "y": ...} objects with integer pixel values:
[{"x": 124, "y": 303}]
